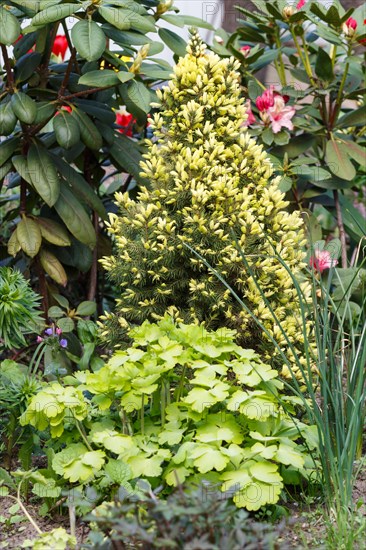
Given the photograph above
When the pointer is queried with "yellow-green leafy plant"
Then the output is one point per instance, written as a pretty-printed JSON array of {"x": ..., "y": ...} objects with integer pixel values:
[
  {"x": 211, "y": 189},
  {"x": 181, "y": 405}
]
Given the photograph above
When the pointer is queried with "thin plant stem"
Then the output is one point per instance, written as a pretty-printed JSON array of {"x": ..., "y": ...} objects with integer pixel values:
[
  {"x": 142, "y": 414},
  {"x": 342, "y": 232},
  {"x": 24, "y": 510},
  {"x": 279, "y": 62},
  {"x": 82, "y": 433}
]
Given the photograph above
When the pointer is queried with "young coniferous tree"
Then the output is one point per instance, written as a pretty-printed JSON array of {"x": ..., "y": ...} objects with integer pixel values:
[{"x": 211, "y": 187}]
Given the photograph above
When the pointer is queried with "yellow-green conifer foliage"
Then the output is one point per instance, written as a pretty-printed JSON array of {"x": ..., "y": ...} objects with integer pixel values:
[{"x": 209, "y": 180}]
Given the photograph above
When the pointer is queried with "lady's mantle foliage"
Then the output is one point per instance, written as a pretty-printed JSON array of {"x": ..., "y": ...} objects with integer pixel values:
[
  {"x": 209, "y": 180},
  {"x": 181, "y": 403}
]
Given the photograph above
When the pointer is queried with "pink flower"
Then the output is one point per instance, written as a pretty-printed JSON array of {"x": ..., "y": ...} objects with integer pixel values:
[
  {"x": 349, "y": 27},
  {"x": 266, "y": 100},
  {"x": 300, "y": 4},
  {"x": 250, "y": 117},
  {"x": 245, "y": 50},
  {"x": 58, "y": 331},
  {"x": 39, "y": 339},
  {"x": 351, "y": 23},
  {"x": 322, "y": 260},
  {"x": 280, "y": 115}
]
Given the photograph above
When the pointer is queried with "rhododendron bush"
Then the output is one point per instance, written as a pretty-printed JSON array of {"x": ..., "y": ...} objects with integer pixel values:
[
  {"x": 63, "y": 82},
  {"x": 309, "y": 109}
]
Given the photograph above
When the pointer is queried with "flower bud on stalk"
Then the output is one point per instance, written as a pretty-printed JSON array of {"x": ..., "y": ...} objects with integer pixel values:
[{"x": 142, "y": 54}]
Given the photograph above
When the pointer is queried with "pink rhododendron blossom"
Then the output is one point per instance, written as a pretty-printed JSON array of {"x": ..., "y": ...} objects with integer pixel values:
[
  {"x": 251, "y": 118},
  {"x": 322, "y": 260},
  {"x": 280, "y": 115},
  {"x": 266, "y": 100},
  {"x": 300, "y": 4}
]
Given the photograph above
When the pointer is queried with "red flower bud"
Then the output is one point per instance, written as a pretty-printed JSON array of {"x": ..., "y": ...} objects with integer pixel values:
[
  {"x": 126, "y": 121},
  {"x": 60, "y": 46},
  {"x": 351, "y": 23}
]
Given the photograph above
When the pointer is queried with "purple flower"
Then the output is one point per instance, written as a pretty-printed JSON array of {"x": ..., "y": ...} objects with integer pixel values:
[
  {"x": 49, "y": 331},
  {"x": 63, "y": 343}
]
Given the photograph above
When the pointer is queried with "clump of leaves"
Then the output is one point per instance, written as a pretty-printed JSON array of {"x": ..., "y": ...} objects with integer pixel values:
[
  {"x": 195, "y": 518},
  {"x": 181, "y": 405},
  {"x": 57, "y": 538},
  {"x": 17, "y": 386},
  {"x": 71, "y": 339},
  {"x": 19, "y": 308}
]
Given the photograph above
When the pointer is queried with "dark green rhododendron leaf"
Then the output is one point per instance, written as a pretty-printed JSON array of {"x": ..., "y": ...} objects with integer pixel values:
[
  {"x": 29, "y": 236},
  {"x": 90, "y": 134},
  {"x": 100, "y": 78},
  {"x": 74, "y": 217},
  {"x": 116, "y": 17},
  {"x": 43, "y": 174},
  {"x": 7, "y": 148},
  {"x": 9, "y": 27},
  {"x": 8, "y": 119},
  {"x": 24, "y": 107},
  {"x": 324, "y": 66},
  {"x": 54, "y": 13},
  {"x": 26, "y": 66},
  {"x": 45, "y": 111},
  {"x": 338, "y": 160},
  {"x": 88, "y": 39},
  {"x": 173, "y": 41},
  {"x": 53, "y": 267},
  {"x": 67, "y": 129},
  {"x": 80, "y": 186}
]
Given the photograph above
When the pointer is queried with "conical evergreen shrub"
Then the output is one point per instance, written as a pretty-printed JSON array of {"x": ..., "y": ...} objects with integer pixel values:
[{"x": 210, "y": 187}]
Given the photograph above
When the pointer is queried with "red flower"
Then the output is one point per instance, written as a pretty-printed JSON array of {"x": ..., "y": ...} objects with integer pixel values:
[
  {"x": 126, "y": 121},
  {"x": 60, "y": 46},
  {"x": 64, "y": 108}
]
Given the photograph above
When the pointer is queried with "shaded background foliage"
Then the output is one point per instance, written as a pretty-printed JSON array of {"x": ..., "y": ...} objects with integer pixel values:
[{"x": 62, "y": 142}]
